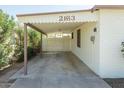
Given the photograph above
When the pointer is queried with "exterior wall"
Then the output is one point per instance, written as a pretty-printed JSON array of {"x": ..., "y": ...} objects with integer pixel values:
[
  {"x": 56, "y": 44},
  {"x": 89, "y": 52},
  {"x": 111, "y": 36}
]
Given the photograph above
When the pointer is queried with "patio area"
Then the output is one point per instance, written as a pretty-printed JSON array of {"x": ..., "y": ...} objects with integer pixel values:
[{"x": 57, "y": 70}]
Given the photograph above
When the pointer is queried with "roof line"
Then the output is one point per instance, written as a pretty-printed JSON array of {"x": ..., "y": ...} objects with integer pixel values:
[
  {"x": 47, "y": 13},
  {"x": 108, "y": 7},
  {"x": 95, "y": 7}
]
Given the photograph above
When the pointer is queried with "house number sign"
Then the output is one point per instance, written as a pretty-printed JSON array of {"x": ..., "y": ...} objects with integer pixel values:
[{"x": 66, "y": 18}]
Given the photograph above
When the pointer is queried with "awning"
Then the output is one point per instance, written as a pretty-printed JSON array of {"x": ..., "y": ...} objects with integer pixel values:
[
  {"x": 52, "y": 21},
  {"x": 59, "y": 17}
]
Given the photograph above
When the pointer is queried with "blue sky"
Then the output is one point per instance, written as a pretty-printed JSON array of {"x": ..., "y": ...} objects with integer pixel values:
[{"x": 22, "y": 9}]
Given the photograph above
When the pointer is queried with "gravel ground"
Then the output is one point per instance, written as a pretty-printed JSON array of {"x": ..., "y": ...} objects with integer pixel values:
[
  {"x": 116, "y": 82},
  {"x": 7, "y": 73}
]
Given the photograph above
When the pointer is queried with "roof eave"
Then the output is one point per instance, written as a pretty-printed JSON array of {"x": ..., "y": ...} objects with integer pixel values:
[
  {"x": 47, "y": 13},
  {"x": 108, "y": 7}
]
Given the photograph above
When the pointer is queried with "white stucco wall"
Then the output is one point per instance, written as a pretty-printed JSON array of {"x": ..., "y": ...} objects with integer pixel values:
[
  {"x": 111, "y": 36},
  {"x": 56, "y": 44},
  {"x": 89, "y": 52}
]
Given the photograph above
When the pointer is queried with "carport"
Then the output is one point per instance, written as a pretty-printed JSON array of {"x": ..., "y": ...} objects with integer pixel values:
[
  {"x": 71, "y": 67},
  {"x": 95, "y": 41},
  {"x": 54, "y": 21}
]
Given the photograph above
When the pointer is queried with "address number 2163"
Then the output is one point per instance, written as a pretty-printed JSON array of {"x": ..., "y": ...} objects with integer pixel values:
[{"x": 66, "y": 18}]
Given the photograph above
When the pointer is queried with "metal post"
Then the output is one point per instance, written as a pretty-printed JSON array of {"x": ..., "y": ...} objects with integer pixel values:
[
  {"x": 25, "y": 49},
  {"x": 41, "y": 44}
]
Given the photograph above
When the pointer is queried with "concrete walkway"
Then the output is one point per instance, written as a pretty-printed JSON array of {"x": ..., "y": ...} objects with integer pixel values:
[{"x": 58, "y": 70}]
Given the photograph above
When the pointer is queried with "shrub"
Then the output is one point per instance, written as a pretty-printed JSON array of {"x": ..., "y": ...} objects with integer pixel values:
[{"x": 31, "y": 53}]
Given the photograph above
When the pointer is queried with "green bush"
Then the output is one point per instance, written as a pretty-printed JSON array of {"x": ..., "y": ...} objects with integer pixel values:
[
  {"x": 12, "y": 41},
  {"x": 31, "y": 53}
]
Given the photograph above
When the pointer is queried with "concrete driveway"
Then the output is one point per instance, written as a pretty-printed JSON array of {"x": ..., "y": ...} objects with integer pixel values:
[{"x": 57, "y": 70}]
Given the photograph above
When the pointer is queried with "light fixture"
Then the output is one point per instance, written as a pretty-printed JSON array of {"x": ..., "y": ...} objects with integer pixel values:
[{"x": 95, "y": 29}]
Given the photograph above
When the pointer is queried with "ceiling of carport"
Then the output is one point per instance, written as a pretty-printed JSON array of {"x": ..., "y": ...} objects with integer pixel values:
[{"x": 54, "y": 27}]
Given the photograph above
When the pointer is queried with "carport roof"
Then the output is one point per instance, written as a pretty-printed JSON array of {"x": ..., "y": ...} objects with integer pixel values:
[
  {"x": 53, "y": 17},
  {"x": 48, "y": 22},
  {"x": 47, "y": 13},
  {"x": 95, "y": 7},
  {"x": 53, "y": 21}
]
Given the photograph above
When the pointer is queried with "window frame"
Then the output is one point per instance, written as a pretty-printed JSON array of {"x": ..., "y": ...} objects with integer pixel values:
[
  {"x": 79, "y": 38},
  {"x": 72, "y": 35}
]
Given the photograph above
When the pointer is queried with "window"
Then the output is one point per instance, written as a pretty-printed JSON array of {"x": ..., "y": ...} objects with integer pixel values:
[
  {"x": 79, "y": 38},
  {"x": 58, "y": 35},
  {"x": 72, "y": 35}
]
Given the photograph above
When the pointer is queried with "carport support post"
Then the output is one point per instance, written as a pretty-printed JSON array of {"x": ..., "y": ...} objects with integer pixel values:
[
  {"x": 41, "y": 45},
  {"x": 25, "y": 49}
]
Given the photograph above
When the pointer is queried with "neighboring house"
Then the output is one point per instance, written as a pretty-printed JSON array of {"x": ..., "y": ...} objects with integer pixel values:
[{"x": 96, "y": 39}]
